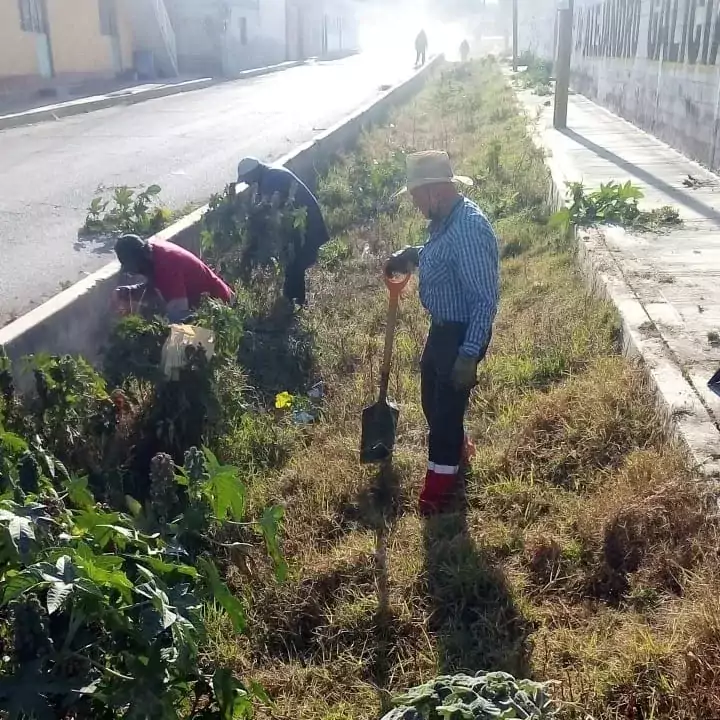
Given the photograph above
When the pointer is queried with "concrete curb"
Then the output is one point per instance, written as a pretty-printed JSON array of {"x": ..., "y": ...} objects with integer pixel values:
[
  {"x": 86, "y": 105},
  {"x": 682, "y": 410},
  {"x": 77, "y": 321},
  {"x": 257, "y": 72}
]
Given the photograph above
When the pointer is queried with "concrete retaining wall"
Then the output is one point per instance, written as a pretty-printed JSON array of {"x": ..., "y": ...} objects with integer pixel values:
[
  {"x": 77, "y": 321},
  {"x": 657, "y": 64}
]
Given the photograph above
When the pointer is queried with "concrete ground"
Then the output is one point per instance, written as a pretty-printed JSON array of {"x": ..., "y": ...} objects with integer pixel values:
[
  {"x": 665, "y": 285},
  {"x": 188, "y": 144}
]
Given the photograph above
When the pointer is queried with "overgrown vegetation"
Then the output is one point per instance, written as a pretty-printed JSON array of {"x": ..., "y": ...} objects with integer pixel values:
[
  {"x": 141, "y": 514},
  {"x": 103, "y": 594},
  {"x": 615, "y": 203},
  {"x": 536, "y": 74},
  {"x": 123, "y": 540},
  {"x": 583, "y": 551}
]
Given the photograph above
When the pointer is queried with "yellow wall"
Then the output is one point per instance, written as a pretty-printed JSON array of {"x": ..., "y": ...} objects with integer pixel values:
[
  {"x": 17, "y": 48},
  {"x": 77, "y": 43}
]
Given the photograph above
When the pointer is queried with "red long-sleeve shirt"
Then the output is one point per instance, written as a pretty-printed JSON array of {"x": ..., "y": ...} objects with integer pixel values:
[{"x": 178, "y": 274}]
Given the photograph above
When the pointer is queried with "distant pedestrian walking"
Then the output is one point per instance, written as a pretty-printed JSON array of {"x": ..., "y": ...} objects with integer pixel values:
[
  {"x": 464, "y": 51},
  {"x": 421, "y": 44}
]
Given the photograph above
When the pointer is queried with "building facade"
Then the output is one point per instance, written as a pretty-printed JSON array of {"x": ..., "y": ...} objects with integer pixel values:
[
  {"x": 44, "y": 43},
  {"x": 54, "y": 43},
  {"x": 224, "y": 37},
  {"x": 320, "y": 28}
]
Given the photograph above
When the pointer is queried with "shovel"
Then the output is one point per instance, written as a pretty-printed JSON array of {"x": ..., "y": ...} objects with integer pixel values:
[{"x": 379, "y": 421}]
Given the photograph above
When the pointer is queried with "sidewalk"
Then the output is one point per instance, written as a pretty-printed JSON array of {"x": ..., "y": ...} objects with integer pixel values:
[
  {"x": 25, "y": 112},
  {"x": 666, "y": 286}
]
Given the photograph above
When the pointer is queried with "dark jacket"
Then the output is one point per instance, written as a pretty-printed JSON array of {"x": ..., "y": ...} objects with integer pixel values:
[{"x": 279, "y": 179}]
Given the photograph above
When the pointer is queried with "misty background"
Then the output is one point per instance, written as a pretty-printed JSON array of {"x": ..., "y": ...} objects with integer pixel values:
[{"x": 391, "y": 27}]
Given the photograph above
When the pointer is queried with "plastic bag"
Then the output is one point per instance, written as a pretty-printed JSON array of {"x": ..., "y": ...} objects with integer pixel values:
[{"x": 181, "y": 337}]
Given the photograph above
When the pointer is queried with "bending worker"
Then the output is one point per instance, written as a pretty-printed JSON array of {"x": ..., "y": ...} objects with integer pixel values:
[
  {"x": 277, "y": 179},
  {"x": 458, "y": 284},
  {"x": 178, "y": 276}
]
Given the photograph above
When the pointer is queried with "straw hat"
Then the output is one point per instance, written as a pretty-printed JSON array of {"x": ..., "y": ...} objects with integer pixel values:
[{"x": 431, "y": 168}]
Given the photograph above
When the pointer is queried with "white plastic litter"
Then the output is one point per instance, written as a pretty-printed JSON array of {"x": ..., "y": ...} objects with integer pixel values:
[{"x": 181, "y": 337}]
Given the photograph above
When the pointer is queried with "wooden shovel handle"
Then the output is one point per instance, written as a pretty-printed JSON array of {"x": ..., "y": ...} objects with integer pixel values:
[{"x": 395, "y": 287}]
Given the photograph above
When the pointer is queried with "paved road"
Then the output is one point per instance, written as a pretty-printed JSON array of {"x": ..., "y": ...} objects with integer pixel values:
[{"x": 189, "y": 144}]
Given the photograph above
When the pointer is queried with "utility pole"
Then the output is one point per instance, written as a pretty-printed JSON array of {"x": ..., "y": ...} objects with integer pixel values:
[
  {"x": 562, "y": 64},
  {"x": 515, "y": 34}
]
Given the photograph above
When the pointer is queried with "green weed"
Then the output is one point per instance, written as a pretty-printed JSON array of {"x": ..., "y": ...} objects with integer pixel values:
[
  {"x": 537, "y": 75},
  {"x": 127, "y": 211},
  {"x": 613, "y": 203}
]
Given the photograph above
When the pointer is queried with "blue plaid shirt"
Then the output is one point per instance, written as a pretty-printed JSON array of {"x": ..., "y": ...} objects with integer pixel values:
[{"x": 459, "y": 273}]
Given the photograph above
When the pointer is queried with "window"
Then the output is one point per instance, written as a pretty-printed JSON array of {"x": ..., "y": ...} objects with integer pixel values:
[
  {"x": 243, "y": 31},
  {"x": 108, "y": 18},
  {"x": 32, "y": 16}
]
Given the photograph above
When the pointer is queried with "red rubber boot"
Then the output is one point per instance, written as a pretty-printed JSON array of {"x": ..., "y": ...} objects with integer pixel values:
[{"x": 437, "y": 491}]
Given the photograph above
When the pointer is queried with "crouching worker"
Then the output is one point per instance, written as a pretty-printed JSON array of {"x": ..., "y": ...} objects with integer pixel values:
[
  {"x": 175, "y": 274},
  {"x": 276, "y": 179},
  {"x": 458, "y": 284}
]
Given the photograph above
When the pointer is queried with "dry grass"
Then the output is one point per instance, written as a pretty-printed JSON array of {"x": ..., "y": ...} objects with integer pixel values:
[{"x": 585, "y": 552}]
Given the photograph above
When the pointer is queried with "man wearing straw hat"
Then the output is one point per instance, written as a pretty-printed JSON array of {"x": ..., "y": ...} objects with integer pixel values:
[{"x": 458, "y": 283}]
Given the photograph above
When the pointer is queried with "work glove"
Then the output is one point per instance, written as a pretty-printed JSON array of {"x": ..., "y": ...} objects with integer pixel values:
[
  {"x": 464, "y": 372},
  {"x": 403, "y": 261}
]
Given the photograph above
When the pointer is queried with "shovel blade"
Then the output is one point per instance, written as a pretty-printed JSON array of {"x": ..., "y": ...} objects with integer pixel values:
[{"x": 379, "y": 426}]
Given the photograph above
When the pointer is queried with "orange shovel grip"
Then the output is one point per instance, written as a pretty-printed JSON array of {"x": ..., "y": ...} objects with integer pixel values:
[{"x": 396, "y": 285}]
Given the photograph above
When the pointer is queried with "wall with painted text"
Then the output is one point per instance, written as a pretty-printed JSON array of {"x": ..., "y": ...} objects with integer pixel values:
[{"x": 655, "y": 63}]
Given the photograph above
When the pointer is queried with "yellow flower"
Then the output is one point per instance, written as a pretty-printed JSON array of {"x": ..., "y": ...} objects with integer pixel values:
[{"x": 283, "y": 400}]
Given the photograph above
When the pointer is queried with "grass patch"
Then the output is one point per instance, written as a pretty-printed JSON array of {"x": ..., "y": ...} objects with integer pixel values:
[{"x": 585, "y": 550}]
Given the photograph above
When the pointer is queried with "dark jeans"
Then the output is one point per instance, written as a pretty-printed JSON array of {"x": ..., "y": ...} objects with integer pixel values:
[
  {"x": 443, "y": 405},
  {"x": 294, "y": 286},
  {"x": 306, "y": 256}
]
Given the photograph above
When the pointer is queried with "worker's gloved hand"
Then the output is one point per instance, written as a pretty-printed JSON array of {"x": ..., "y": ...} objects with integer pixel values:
[
  {"x": 464, "y": 372},
  {"x": 403, "y": 261}
]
